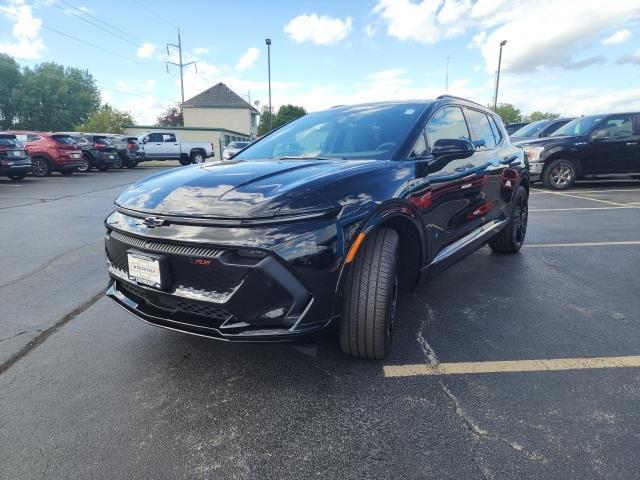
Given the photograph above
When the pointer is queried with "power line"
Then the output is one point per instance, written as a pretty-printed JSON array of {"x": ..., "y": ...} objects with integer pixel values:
[
  {"x": 9, "y": 12},
  {"x": 103, "y": 22},
  {"x": 156, "y": 14}
]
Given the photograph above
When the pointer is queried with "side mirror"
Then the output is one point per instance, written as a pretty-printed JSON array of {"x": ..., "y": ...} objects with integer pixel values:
[
  {"x": 452, "y": 148},
  {"x": 599, "y": 135}
]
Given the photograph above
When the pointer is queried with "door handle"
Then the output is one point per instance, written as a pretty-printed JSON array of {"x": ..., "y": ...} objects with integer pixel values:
[{"x": 175, "y": 144}]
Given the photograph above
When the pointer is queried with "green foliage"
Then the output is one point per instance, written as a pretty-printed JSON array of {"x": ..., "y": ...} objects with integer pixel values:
[
  {"x": 263, "y": 125},
  {"x": 537, "y": 115},
  {"x": 10, "y": 78},
  {"x": 286, "y": 114},
  {"x": 106, "y": 120},
  {"x": 54, "y": 97},
  {"x": 171, "y": 117},
  {"x": 508, "y": 113}
]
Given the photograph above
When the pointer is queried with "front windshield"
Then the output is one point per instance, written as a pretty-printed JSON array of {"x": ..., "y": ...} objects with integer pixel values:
[
  {"x": 358, "y": 132},
  {"x": 531, "y": 129},
  {"x": 579, "y": 126}
]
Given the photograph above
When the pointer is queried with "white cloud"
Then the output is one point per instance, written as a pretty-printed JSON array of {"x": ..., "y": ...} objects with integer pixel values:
[
  {"x": 539, "y": 32},
  {"x": 145, "y": 110},
  {"x": 148, "y": 85},
  {"x": 320, "y": 30},
  {"x": 629, "y": 59},
  {"x": 146, "y": 50},
  {"x": 370, "y": 30},
  {"x": 200, "y": 51},
  {"x": 248, "y": 59},
  {"x": 27, "y": 43},
  {"x": 619, "y": 36}
]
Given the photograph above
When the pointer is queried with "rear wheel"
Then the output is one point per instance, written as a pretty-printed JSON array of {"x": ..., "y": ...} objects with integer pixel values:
[
  {"x": 118, "y": 163},
  {"x": 197, "y": 157},
  {"x": 132, "y": 164},
  {"x": 40, "y": 167},
  {"x": 371, "y": 294},
  {"x": 560, "y": 174},
  {"x": 184, "y": 161},
  {"x": 511, "y": 237}
]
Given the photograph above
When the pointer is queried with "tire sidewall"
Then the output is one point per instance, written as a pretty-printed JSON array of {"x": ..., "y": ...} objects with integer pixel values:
[
  {"x": 551, "y": 166},
  {"x": 47, "y": 167}
]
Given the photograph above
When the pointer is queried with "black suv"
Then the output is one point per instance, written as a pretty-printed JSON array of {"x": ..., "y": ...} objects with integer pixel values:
[
  {"x": 97, "y": 151},
  {"x": 590, "y": 146},
  {"x": 319, "y": 221},
  {"x": 14, "y": 161}
]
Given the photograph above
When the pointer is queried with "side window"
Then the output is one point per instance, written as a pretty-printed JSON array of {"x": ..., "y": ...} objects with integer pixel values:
[
  {"x": 448, "y": 123},
  {"x": 635, "y": 120},
  {"x": 169, "y": 137},
  {"x": 618, "y": 126},
  {"x": 33, "y": 138},
  {"x": 419, "y": 149},
  {"x": 497, "y": 133},
  {"x": 155, "y": 137},
  {"x": 481, "y": 133}
]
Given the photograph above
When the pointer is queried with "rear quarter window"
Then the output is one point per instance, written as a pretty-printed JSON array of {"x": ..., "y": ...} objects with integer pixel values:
[
  {"x": 480, "y": 129},
  {"x": 10, "y": 142}
]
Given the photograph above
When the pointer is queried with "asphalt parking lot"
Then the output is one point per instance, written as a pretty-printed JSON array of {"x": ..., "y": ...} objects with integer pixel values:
[{"x": 513, "y": 367}]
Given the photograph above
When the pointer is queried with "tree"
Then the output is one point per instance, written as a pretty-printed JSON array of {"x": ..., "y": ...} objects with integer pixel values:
[
  {"x": 263, "y": 126},
  {"x": 537, "y": 115},
  {"x": 10, "y": 79},
  {"x": 171, "y": 117},
  {"x": 508, "y": 113},
  {"x": 287, "y": 113},
  {"x": 106, "y": 120},
  {"x": 54, "y": 97}
]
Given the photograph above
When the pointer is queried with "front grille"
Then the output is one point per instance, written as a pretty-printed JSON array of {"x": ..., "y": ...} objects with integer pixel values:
[
  {"x": 216, "y": 281},
  {"x": 213, "y": 313}
]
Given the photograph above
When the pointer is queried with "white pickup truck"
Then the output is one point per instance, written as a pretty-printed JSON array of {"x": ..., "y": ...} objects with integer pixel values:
[{"x": 166, "y": 146}]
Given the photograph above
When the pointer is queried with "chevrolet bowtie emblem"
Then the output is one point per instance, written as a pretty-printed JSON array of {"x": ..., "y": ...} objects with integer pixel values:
[{"x": 153, "y": 222}]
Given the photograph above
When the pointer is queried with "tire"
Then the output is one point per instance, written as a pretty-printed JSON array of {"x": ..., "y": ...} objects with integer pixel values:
[
  {"x": 66, "y": 172},
  {"x": 184, "y": 161},
  {"x": 366, "y": 328},
  {"x": 560, "y": 174},
  {"x": 103, "y": 168},
  {"x": 132, "y": 164},
  {"x": 118, "y": 163},
  {"x": 198, "y": 157},
  {"x": 86, "y": 165},
  {"x": 511, "y": 238},
  {"x": 18, "y": 177},
  {"x": 40, "y": 167}
]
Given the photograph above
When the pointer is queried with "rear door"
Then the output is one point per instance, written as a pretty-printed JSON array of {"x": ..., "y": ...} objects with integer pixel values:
[
  {"x": 171, "y": 147},
  {"x": 612, "y": 147}
]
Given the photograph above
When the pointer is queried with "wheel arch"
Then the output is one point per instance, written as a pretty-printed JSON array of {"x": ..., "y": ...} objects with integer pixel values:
[{"x": 564, "y": 154}]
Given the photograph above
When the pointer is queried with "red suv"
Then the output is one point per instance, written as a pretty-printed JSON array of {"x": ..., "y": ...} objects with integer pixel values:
[{"x": 50, "y": 152}]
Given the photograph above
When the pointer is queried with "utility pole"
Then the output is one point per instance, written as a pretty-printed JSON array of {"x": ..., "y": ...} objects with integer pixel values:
[
  {"x": 495, "y": 98},
  {"x": 446, "y": 78},
  {"x": 268, "y": 42},
  {"x": 179, "y": 65}
]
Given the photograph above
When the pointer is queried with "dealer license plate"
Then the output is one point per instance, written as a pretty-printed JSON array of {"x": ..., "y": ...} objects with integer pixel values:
[{"x": 144, "y": 269}]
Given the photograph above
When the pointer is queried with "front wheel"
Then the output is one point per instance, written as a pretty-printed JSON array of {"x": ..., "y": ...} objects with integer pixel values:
[
  {"x": 511, "y": 237},
  {"x": 371, "y": 295},
  {"x": 559, "y": 174},
  {"x": 85, "y": 166}
]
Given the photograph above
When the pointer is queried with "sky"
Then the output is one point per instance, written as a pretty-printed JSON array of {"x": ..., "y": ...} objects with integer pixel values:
[{"x": 572, "y": 57}]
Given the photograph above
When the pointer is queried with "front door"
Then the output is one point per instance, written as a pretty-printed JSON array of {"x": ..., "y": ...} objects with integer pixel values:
[
  {"x": 154, "y": 146},
  {"x": 612, "y": 147}
]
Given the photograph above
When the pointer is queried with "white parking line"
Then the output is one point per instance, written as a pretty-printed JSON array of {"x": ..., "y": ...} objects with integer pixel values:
[
  {"x": 592, "y": 199},
  {"x": 583, "y": 244},
  {"x": 537, "y": 190},
  {"x": 510, "y": 366},
  {"x": 578, "y": 208}
]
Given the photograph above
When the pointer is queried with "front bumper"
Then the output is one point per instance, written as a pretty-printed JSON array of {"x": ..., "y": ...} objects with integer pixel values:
[
  {"x": 215, "y": 293},
  {"x": 535, "y": 171}
]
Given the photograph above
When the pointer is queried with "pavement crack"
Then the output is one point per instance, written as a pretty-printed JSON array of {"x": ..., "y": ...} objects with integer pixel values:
[
  {"x": 466, "y": 419},
  {"x": 428, "y": 352},
  {"x": 40, "y": 339},
  {"x": 18, "y": 334}
]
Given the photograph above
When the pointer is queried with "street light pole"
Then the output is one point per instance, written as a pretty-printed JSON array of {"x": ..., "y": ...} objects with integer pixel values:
[
  {"x": 495, "y": 98},
  {"x": 179, "y": 65},
  {"x": 268, "y": 42}
]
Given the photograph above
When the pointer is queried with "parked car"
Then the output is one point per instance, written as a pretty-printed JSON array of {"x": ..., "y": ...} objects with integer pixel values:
[
  {"x": 14, "y": 161},
  {"x": 50, "y": 152},
  {"x": 538, "y": 129},
  {"x": 167, "y": 146},
  {"x": 319, "y": 222},
  {"x": 586, "y": 147},
  {"x": 97, "y": 151},
  {"x": 134, "y": 153},
  {"x": 233, "y": 148},
  {"x": 128, "y": 154},
  {"x": 514, "y": 127}
]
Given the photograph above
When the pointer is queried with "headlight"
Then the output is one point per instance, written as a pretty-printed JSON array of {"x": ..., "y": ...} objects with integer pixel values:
[{"x": 533, "y": 153}]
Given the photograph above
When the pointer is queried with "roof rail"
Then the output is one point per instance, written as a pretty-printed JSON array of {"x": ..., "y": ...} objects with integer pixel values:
[{"x": 459, "y": 98}]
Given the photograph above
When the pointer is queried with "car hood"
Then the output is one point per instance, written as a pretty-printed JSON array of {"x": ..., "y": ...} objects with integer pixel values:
[
  {"x": 243, "y": 189},
  {"x": 546, "y": 141}
]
